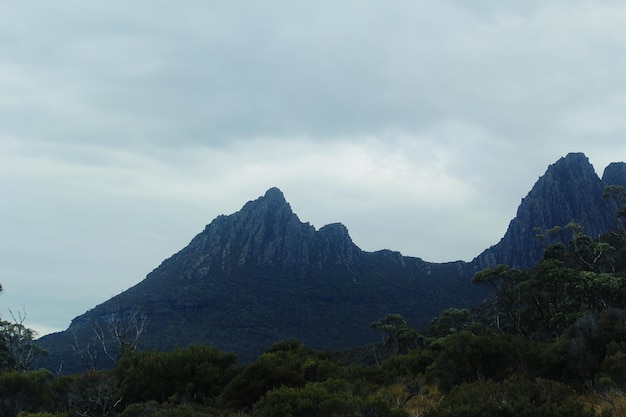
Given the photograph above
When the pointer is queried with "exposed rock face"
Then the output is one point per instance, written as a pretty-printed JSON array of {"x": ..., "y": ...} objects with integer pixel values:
[
  {"x": 615, "y": 174},
  {"x": 260, "y": 275},
  {"x": 264, "y": 233},
  {"x": 569, "y": 191}
]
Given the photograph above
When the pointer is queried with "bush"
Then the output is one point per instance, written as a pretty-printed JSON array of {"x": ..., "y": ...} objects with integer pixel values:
[
  {"x": 285, "y": 363},
  {"x": 320, "y": 400},
  {"x": 24, "y": 391},
  {"x": 515, "y": 397},
  {"x": 197, "y": 373}
]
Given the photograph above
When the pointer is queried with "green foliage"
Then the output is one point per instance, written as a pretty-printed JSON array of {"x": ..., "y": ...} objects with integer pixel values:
[
  {"x": 601, "y": 291},
  {"x": 155, "y": 409},
  {"x": 547, "y": 337},
  {"x": 466, "y": 357},
  {"x": 397, "y": 335},
  {"x": 321, "y": 399},
  {"x": 197, "y": 373},
  {"x": 25, "y": 391},
  {"x": 514, "y": 397},
  {"x": 415, "y": 362},
  {"x": 593, "y": 347},
  {"x": 541, "y": 302},
  {"x": 17, "y": 349},
  {"x": 453, "y": 320},
  {"x": 614, "y": 368},
  {"x": 287, "y": 364},
  {"x": 94, "y": 394},
  {"x": 569, "y": 302}
]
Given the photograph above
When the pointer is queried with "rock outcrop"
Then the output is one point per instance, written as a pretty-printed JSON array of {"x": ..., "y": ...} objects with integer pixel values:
[
  {"x": 615, "y": 174},
  {"x": 569, "y": 191},
  {"x": 261, "y": 275}
]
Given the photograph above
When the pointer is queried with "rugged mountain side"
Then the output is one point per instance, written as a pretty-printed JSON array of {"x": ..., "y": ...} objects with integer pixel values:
[
  {"x": 569, "y": 191},
  {"x": 260, "y": 275},
  {"x": 615, "y": 174}
]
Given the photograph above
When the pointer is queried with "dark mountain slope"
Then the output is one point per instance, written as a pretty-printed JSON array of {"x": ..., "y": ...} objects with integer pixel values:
[
  {"x": 615, "y": 174},
  {"x": 569, "y": 191},
  {"x": 260, "y": 275}
]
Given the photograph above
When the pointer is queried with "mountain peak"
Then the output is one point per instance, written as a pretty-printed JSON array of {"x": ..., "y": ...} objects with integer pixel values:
[
  {"x": 569, "y": 191},
  {"x": 260, "y": 275},
  {"x": 274, "y": 193},
  {"x": 575, "y": 156},
  {"x": 271, "y": 203},
  {"x": 615, "y": 174},
  {"x": 573, "y": 164}
]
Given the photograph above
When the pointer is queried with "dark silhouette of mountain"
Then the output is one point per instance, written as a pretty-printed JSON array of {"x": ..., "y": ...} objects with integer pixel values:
[
  {"x": 261, "y": 275},
  {"x": 569, "y": 191},
  {"x": 615, "y": 174}
]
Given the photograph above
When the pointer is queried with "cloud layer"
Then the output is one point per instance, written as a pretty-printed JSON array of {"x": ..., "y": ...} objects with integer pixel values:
[{"x": 126, "y": 127}]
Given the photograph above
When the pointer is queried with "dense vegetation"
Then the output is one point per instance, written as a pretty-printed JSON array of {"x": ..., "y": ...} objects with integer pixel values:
[{"x": 551, "y": 341}]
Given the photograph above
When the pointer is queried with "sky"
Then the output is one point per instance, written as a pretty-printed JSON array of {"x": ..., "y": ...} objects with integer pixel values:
[{"x": 126, "y": 127}]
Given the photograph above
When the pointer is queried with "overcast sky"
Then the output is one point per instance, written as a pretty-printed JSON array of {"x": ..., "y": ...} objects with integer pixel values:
[{"x": 126, "y": 127}]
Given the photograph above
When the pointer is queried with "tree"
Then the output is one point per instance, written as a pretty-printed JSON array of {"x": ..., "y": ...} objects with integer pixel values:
[
  {"x": 465, "y": 357},
  {"x": 287, "y": 363},
  {"x": 194, "y": 374},
  {"x": 396, "y": 333},
  {"x": 17, "y": 347},
  {"x": 122, "y": 333},
  {"x": 450, "y": 321},
  {"x": 118, "y": 333},
  {"x": 94, "y": 394},
  {"x": 504, "y": 280},
  {"x": 25, "y": 392},
  {"x": 590, "y": 254}
]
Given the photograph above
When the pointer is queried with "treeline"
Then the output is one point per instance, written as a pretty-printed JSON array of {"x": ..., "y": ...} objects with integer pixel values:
[{"x": 551, "y": 341}]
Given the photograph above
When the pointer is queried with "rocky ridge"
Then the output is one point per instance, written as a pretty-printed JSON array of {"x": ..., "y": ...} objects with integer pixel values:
[
  {"x": 569, "y": 191},
  {"x": 261, "y": 275}
]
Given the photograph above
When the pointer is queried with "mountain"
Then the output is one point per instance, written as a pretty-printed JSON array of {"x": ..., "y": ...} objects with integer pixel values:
[
  {"x": 615, "y": 174},
  {"x": 261, "y": 275},
  {"x": 569, "y": 191}
]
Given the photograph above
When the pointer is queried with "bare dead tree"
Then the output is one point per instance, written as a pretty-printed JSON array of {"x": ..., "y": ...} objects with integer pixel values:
[
  {"x": 88, "y": 354},
  {"x": 109, "y": 338},
  {"x": 122, "y": 332}
]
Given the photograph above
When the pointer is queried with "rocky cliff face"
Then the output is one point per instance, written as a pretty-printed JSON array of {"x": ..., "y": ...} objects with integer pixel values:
[
  {"x": 265, "y": 232},
  {"x": 569, "y": 191},
  {"x": 261, "y": 275},
  {"x": 615, "y": 174}
]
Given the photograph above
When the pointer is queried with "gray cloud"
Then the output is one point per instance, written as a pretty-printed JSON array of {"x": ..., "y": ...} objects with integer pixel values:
[{"x": 126, "y": 127}]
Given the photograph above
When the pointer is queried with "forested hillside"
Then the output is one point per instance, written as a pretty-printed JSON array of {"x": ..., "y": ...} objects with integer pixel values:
[{"x": 550, "y": 341}]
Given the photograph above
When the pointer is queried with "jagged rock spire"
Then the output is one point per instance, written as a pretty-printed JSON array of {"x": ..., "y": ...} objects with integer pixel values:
[
  {"x": 615, "y": 174},
  {"x": 569, "y": 191}
]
